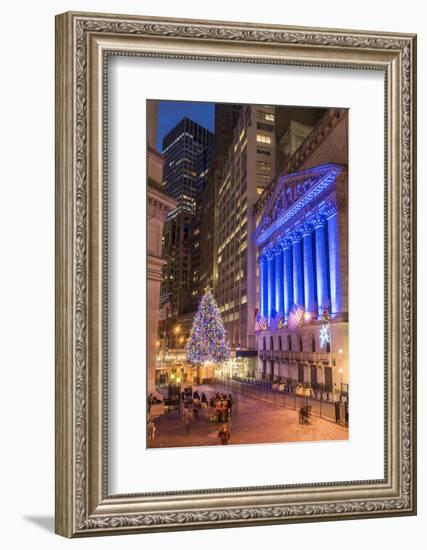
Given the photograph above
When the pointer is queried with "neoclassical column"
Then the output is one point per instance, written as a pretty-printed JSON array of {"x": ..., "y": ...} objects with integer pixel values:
[
  {"x": 263, "y": 284},
  {"x": 271, "y": 281},
  {"x": 278, "y": 275},
  {"x": 309, "y": 292},
  {"x": 298, "y": 275},
  {"x": 334, "y": 262},
  {"x": 288, "y": 283},
  {"x": 321, "y": 265}
]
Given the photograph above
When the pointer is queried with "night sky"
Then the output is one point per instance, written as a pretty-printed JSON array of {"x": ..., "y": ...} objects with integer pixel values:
[{"x": 171, "y": 112}]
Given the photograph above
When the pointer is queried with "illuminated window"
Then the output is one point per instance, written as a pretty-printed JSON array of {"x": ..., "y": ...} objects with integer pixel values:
[
  {"x": 259, "y": 190},
  {"x": 263, "y": 115},
  {"x": 263, "y": 179},
  {"x": 263, "y": 166},
  {"x": 261, "y": 138}
]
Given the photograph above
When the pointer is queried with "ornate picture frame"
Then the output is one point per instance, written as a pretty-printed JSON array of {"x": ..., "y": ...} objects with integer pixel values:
[{"x": 83, "y": 44}]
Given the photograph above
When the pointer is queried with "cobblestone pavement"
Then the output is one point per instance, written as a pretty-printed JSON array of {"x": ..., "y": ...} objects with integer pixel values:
[{"x": 253, "y": 421}]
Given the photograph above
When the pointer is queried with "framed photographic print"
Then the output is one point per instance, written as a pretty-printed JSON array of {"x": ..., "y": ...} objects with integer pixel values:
[{"x": 235, "y": 274}]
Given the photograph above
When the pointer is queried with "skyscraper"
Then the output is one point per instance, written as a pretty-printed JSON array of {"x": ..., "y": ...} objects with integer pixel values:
[
  {"x": 181, "y": 149},
  {"x": 226, "y": 116},
  {"x": 249, "y": 166},
  {"x": 200, "y": 252}
]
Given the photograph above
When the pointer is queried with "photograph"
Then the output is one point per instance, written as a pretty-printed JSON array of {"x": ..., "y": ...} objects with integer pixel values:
[{"x": 247, "y": 274}]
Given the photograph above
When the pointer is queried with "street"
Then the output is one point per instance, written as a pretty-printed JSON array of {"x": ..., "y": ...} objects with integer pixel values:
[{"x": 254, "y": 420}]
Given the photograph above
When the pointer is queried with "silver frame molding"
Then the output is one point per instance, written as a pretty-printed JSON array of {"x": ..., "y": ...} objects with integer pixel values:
[{"x": 83, "y": 44}]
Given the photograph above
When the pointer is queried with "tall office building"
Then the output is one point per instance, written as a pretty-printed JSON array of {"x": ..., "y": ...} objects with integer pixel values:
[
  {"x": 293, "y": 126},
  {"x": 199, "y": 250},
  {"x": 226, "y": 116},
  {"x": 181, "y": 149},
  {"x": 248, "y": 168}
]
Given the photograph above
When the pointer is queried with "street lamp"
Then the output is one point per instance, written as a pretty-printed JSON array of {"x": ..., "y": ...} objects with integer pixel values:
[{"x": 307, "y": 316}]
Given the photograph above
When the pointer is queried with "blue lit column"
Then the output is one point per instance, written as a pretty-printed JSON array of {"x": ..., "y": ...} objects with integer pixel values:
[
  {"x": 334, "y": 263},
  {"x": 271, "y": 282},
  {"x": 278, "y": 273},
  {"x": 298, "y": 274},
  {"x": 321, "y": 266},
  {"x": 309, "y": 295},
  {"x": 288, "y": 283},
  {"x": 263, "y": 284}
]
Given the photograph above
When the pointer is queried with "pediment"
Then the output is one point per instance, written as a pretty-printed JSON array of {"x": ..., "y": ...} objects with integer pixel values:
[{"x": 293, "y": 192}]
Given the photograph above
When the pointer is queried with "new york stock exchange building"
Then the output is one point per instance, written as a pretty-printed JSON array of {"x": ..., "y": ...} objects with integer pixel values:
[{"x": 302, "y": 280}]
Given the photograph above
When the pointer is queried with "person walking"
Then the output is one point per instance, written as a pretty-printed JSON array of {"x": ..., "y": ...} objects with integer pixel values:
[
  {"x": 218, "y": 409},
  {"x": 187, "y": 418},
  {"x": 196, "y": 399},
  {"x": 224, "y": 409},
  {"x": 224, "y": 434},
  {"x": 196, "y": 406},
  {"x": 230, "y": 404},
  {"x": 151, "y": 429}
]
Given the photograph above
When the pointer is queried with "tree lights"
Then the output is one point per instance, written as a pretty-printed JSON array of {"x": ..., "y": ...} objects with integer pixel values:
[{"x": 208, "y": 339}]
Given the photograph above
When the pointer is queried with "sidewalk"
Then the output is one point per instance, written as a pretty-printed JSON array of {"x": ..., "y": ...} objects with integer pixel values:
[{"x": 253, "y": 421}]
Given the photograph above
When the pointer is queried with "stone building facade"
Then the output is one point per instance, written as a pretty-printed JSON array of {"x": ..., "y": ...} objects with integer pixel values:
[
  {"x": 302, "y": 251},
  {"x": 159, "y": 204}
]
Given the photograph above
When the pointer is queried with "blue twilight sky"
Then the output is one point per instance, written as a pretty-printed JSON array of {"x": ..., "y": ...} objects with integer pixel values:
[{"x": 171, "y": 112}]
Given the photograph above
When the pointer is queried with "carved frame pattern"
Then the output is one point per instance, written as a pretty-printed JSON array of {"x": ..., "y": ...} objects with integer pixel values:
[{"x": 83, "y": 506}]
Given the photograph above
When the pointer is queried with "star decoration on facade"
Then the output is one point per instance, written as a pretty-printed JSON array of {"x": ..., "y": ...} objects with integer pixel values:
[{"x": 324, "y": 335}]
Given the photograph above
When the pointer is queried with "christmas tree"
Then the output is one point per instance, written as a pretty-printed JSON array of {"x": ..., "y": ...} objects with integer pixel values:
[{"x": 208, "y": 340}]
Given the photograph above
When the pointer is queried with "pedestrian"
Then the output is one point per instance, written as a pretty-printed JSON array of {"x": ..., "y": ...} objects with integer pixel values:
[
  {"x": 230, "y": 404},
  {"x": 224, "y": 434},
  {"x": 187, "y": 418},
  {"x": 218, "y": 409},
  {"x": 151, "y": 429},
  {"x": 224, "y": 410},
  {"x": 150, "y": 397},
  {"x": 196, "y": 408}
]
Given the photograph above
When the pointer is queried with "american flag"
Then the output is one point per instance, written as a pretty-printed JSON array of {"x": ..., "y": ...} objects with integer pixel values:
[
  {"x": 260, "y": 324},
  {"x": 295, "y": 317},
  {"x": 165, "y": 311},
  {"x": 275, "y": 320}
]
